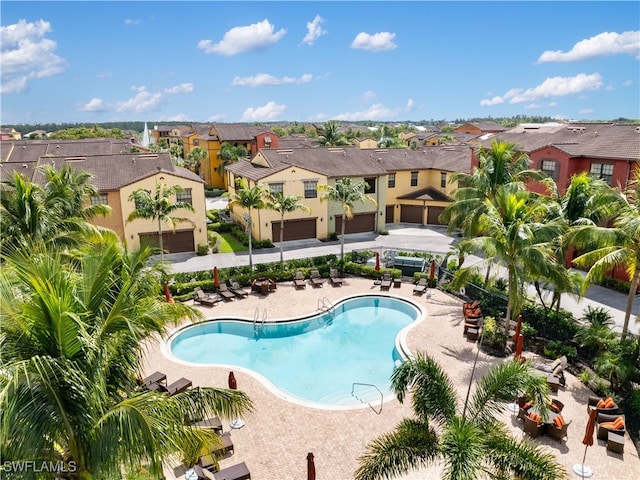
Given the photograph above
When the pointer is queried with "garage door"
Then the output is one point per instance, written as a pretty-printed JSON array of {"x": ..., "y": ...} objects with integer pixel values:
[
  {"x": 388, "y": 214},
  {"x": 361, "y": 222},
  {"x": 411, "y": 214},
  {"x": 294, "y": 229},
  {"x": 180, "y": 241},
  {"x": 433, "y": 214}
]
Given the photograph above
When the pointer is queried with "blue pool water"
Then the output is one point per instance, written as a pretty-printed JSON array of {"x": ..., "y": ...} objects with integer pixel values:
[{"x": 315, "y": 359}]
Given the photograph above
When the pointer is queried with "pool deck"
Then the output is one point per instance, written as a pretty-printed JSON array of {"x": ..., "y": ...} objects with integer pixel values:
[{"x": 278, "y": 435}]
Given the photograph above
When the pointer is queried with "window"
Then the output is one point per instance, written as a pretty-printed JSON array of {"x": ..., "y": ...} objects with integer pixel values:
[
  {"x": 548, "y": 167},
  {"x": 392, "y": 180},
  {"x": 276, "y": 187},
  {"x": 310, "y": 189},
  {"x": 603, "y": 171},
  {"x": 414, "y": 179},
  {"x": 100, "y": 199},
  {"x": 184, "y": 196},
  {"x": 443, "y": 179},
  {"x": 371, "y": 185}
]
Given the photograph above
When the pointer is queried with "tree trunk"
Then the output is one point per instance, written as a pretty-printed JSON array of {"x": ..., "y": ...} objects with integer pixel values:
[
  {"x": 282, "y": 241},
  {"x": 344, "y": 221},
  {"x": 632, "y": 293},
  {"x": 160, "y": 238},
  {"x": 250, "y": 249}
]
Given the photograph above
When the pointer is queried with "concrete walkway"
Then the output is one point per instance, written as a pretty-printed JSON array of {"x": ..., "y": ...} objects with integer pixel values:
[{"x": 401, "y": 237}]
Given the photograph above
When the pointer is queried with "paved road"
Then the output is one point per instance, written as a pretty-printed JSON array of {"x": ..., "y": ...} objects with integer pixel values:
[{"x": 401, "y": 237}]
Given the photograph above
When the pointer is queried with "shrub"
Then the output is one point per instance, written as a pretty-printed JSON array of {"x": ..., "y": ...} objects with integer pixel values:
[
  {"x": 551, "y": 324},
  {"x": 556, "y": 348},
  {"x": 203, "y": 249},
  {"x": 492, "y": 335},
  {"x": 333, "y": 236}
]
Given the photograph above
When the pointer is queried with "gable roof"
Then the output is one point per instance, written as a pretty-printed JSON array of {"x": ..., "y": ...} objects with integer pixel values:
[
  {"x": 238, "y": 131},
  {"x": 448, "y": 158},
  {"x": 428, "y": 193}
]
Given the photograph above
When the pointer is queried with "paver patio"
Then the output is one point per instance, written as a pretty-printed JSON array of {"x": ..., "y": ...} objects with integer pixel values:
[{"x": 278, "y": 435}]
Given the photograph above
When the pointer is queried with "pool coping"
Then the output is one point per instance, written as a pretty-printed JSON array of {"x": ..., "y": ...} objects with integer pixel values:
[{"x": 400, "y": 343}]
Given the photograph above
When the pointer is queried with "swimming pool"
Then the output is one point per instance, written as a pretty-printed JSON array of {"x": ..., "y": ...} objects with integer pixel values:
[{"x": 314, "y": 360}]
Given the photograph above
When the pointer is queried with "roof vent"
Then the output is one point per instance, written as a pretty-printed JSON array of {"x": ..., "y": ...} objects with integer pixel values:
[{"x": 24, "y": 165}]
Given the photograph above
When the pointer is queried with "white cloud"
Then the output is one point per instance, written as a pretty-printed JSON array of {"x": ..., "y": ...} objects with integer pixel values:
[
  {"x": 609, "y": 88},
  {"x": 182, "y": 88},
  {"x": 627, "y": 83},
  {"x": 256, "y": 36},
  {"x": 94, "y": 105},
  {"x": 314, "y": 30},
  {"x": 215, "y": 118},
  {"x": 26, "y": 54},
  {"x": 532, "y": 106},
  {"x": 378, "y": 42},
  {"x": 586, "y": 111},
  {"x": 410, "y": 105},
  {"x": 265, "y": 113},
  {"x": 143, "y": 101},
  {"x": 181, "y": 117},
  {"x": 265, "y": 79},
  {"x": 368, "y": 96},
  {"x": 131, "y": 21},
  {"x": 553, "y": 104},
  {"x": 551, "y": 87},
  {"x": 603, "y": 44},
  {"x": 374, "y": 112}
]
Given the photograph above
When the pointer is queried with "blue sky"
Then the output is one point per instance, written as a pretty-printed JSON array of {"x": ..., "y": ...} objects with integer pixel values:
[{"x": 208, "y": 61}]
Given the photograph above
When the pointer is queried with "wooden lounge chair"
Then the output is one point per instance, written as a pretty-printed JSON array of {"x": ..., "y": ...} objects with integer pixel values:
[
  {"x": 179, "y": 386},
  {"x": 334, "y": 277},
  {"x": 237, "y": 289},
  {"x": 225, "y": 292},
  {"x": 299, "y": 280},
  {"x": 316, "y": 279},
  {"x": 154, "y": 378},
  {"x": 421, "y": 286},
  {"x": 209, "y": 424},
  {"x": 239, "y": 471},
  {"x": 206, "y": 299},
  {"x": 386, "y": 281},
  {"x": 550, "y": 367}
]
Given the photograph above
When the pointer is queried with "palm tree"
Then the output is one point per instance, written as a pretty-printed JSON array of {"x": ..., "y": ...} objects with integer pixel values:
[
  {"x": 331, "y": 137},
  {"x": 194, "y": 157},
  {"x": 347, "y": 193},
  {"x": 72, "y": 347},
  {"x": 159, "y": 207},
  {"x": 470, "y": 444},
  {"x": 229, "y": 154},
  {"x": 249, "y": 198},
  {"x": 282, "y": 204},
  {"x": 616, "y": 246}
]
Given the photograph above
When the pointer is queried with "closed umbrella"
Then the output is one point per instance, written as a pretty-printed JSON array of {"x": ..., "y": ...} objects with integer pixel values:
[
  {"x": 518, "y": 328},
  {"x": 377, "y": 261},
  {"x": 581, "y": 469},
  {"x": 311, "y": 467},
  {"x": 432, "y": 272},
  {"x": 216, "y": 279},
  {"x": 233, "y": 385},
  {"x": 167, "y": 293},
  {"x": 518, "y": 354}
]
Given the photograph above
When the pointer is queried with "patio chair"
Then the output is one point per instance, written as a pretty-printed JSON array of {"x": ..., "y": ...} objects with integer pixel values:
[
  {"x": 603, "y": 405},
  {"x": 558, "y": 429},
  {"x": 606, "y": 423},
  {"x": 556, "y": 405},
  {"x": 225, "y": 292},
  {"x": 386, "y": 281},
  {"x": 421, "y": 286},
  {"x": 237, "y": 289},
  {"x": 213, "y": 423},
  {"x": 316, "y": 279},
  {"x": 334, "y": 277},
  {"x": 206, "y": 299},
  {"x": 221, "y": 449},
  {"x": 179, "y": 386},
  {"x": 534, "y": 426},
  {"x": 550, "y": 367},
  {"x": 239, "y": 471},
  {"x": 299, "y": 280},
  {"x": 155, "y": 377}
]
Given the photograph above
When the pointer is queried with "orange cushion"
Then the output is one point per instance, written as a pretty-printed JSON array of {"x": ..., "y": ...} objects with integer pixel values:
[
  {"x": 609, "y": 403},
  {"x": 554, "y": 407},
  {"x": 608, "y": 425},
  {"x": 559, "y": 421},
  {"x": 527, "y": 405},
  {"x": 535, "y": 417},
  {"x": 601, "y": 403},
  {"x": 618, "y": 423}
]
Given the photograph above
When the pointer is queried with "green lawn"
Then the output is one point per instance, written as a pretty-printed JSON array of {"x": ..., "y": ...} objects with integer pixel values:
[{"x": 228, "y": 243}]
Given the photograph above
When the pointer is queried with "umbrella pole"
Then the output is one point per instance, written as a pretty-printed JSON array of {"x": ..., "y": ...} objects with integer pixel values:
[{"x": 581, "y": 469}]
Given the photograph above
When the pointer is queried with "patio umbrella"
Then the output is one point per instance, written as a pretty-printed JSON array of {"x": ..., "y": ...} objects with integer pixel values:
[
  {"x": 518, "y": 328},
  {"x": 432, "y": 272},
  {"x": 311, "y": 467},
  {"x": 377, "y": 261},
  {"x": 519, "y": 344},
  {"x": 233, "y": 385},
  {"x": 581, "y": 469},
  {"x": 167, "y": 293},
  {"x": 216, "y": 279}
]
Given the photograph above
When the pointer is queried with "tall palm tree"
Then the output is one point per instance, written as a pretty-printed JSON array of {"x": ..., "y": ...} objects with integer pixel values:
[
  {"x": 469, "y": 444},
  {"x": 194, "y": 157},
  {"x": 159, "y": 206},
  {"x": 72, "y": 348},
  {"x": 616, "y": 246},
  {"x": 282, "y": 204},
  {"x": 229, "y": 154},
  {"x": 249, "y": 198},
  {"x": 347, "y": 193},
  {"x": 331, "y": 136}
]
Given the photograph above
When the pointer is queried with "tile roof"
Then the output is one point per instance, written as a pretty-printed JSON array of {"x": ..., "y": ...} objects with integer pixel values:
[
  {"x": 32, "y": 150},
  {"x": 449, "y": 158},
  {"x": 238, "y": 131},
  {"x": 428, "y": 193}
]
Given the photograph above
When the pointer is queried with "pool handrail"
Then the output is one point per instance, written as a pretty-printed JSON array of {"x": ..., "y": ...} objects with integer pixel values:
[{"x": 353, "y": 394}]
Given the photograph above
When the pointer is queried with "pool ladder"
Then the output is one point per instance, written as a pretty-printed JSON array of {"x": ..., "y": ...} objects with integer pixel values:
[
  {"x": 258, "y": 325},
  {"x": 325, "y": 305},
  {"x": 371, "y": 388}
]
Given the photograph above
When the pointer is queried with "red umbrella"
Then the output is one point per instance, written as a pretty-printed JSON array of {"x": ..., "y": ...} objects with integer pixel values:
[
  {"x": 311, "y": 467},
  {"x": 519, "y": 345},
  {"x": 167, "y": 293},
  {"x": 377, "y": 261},
  {"x": 432, "y": 272},
  {"x": 233, "y": 385},
  {"x": 216, "y": 279},
  {"x": 518, "y": 328},
  {"x": 581, "y": 469}
]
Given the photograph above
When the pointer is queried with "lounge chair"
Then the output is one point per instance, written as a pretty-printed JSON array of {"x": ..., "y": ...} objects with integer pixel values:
[
  {"x": 421, "y": 286},
  {"x": 154, "y": 378},
  {"x": 209, "y": 424},
  {"x": 237, "y": 289},
  {"x": 334, "y": 277},
  {"x": 221, "y": 449},
  {"x": 299, "y": 280},
  {"x": 239, "y": 471},
  {"x": 610, "y": 423},
  {"x": 386, "y": 281},
  {"x": 602, "y": 405},
  {"x": 316, "y": 279},
  {"x": 206, "y": 299},
  {"x": 225, "y": 292},
  {"x": 179, "y": 386},
  {"x": 550, "y": 367}
]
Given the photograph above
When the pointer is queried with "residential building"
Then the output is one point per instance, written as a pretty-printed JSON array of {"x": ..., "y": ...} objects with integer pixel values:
[
  {"x": 480, "y": 128},
  {"x": 172, "y": 135},
  {"x": 10, "y": 134}
]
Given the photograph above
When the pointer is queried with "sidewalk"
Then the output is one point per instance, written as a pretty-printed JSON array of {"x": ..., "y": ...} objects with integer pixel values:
[{"x": 401, "y": 236}]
